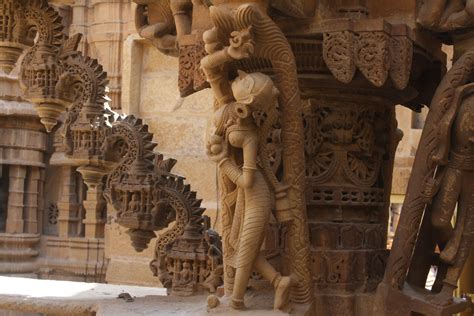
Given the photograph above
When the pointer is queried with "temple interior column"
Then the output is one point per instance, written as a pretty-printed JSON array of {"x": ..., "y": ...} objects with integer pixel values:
[
  {"x": 3, "y": 196},
  {"x": 17, "y": 175},
  {"x": 68, "y": 204},
  {"x": 31, "y": 200},
  {"x": 42, "y": 177},
  {"x": 95, "y": 206}
]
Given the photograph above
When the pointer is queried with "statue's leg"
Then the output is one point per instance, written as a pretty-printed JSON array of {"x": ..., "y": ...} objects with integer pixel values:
[
  {"x": 466, "y": 206},
  {"x": 251, "y": 238},
  {"x": 282, "y": 284},
  {"x": 443, "y": 205}
]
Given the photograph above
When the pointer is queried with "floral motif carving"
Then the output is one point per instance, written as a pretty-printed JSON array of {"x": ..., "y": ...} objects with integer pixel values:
[
  {"x": 377, "y": 55},
  {"x": 338, "y": 50},
  {"x": 341, "y": 142},
  {"x": 401, "y": 55},
  {"x": 372, "y": 56}
]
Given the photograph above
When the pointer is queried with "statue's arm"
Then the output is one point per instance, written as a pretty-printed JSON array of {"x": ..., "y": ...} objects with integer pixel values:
[
  {"x": 244, "y": 177},
  {"x": 212, "y": 67}
]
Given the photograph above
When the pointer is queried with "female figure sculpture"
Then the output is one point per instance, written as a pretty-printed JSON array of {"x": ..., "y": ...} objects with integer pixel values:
[{"x": 237, "y": 141}]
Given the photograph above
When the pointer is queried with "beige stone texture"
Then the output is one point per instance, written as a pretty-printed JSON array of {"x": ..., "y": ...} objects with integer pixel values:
[{"x": 79, "y": 298}]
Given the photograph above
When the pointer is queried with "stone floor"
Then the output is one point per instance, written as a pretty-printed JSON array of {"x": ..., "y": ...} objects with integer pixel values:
[{"x": 78, "y": 298}]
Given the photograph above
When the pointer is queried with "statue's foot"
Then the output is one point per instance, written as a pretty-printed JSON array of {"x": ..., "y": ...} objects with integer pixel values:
[
  {"x": 448, "y": 254},
  {"x": 443, "y": 298},
  {"x": 282, "y": 293},
  {"x": 237, "y": 304}
]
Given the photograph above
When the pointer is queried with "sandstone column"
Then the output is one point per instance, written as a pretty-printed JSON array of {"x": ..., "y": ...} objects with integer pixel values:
[
  {"x": 95, "y": 207},
  {"x": 15, "y": 199},
  {"x": 31, "y": 201},
  {"x": 67, "y": 204}
]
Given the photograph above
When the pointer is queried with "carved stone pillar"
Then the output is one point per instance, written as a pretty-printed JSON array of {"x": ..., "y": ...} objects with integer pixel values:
[
  {"x": 15, "y": 224},
  {"x": 31, "y": 200},
  {"x": 41, "y": 194},
  {"x": 68, "y": 204},
  {"x": 349, "y": 160},
  {"x": 95, "y": 207}
]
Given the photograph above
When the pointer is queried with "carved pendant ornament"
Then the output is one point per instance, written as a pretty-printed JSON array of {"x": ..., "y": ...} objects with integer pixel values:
[
  {"x": 14, "y": 37},
  {"x": 383, "y": 52}
]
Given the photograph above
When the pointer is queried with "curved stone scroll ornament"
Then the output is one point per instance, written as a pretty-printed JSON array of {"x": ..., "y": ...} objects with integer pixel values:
[
  {"x": 83, "y": 81},
  {"x": 13, "y": 34},
  {"x": 40, "y": 69},
  {"x": 253, "y": 34},
  {"x": 428, "y": 189},
  {"x": 148, "y": 198}
]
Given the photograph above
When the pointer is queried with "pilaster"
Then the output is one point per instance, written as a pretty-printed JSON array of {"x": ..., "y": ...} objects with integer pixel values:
[
  {"x": 15, "y": 222},
  {"x": 31, "y": 201},
  {"x": 95, "y": 206},
  {"x": 67, "y": 204}
]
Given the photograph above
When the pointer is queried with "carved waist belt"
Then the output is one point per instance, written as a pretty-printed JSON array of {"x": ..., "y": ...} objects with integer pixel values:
[{"x": 461, "y": 162}]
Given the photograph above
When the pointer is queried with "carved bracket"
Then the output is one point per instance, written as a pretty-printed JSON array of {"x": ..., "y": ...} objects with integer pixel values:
[{"x": 377, "y": 49}]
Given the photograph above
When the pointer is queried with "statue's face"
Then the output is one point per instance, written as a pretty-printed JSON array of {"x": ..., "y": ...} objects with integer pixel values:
[{"x": 243, "y": 89}]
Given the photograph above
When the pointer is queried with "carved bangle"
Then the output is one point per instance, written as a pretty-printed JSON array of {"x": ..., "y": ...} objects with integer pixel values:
[
  {"x": 222, "y": 162},
  {"x": 249, "y": 168},
  {"x": 180, "y": 13}
]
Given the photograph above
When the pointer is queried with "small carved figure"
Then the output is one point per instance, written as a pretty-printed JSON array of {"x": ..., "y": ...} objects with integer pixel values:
[
  {"x": 215, "y": 245},
  {"x": 134, "y": 206},
  {"x": 186, "y": 274},
  {"x": 204, "y": 271},
  {"x": 214, "y": 279}
]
